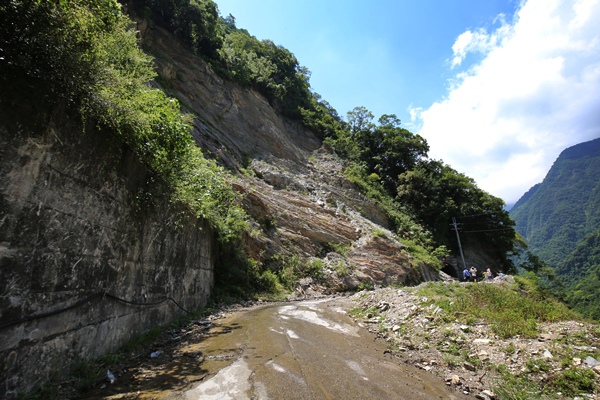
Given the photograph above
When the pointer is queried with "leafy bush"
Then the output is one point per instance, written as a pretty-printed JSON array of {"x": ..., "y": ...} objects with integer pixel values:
[
  {"x": 294, "y": 268},
  {"x": 337, "y": 247},
  {"x": 341, "y": 269},
  {"x": 269, "y": 282},
  {"x": 515, "y": 387},
  {"x": 54, "y": 46},
  {"x": 195, "y": 23}
]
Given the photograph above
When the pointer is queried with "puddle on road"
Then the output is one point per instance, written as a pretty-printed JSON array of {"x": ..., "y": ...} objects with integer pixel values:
[
  {"x": 308, "y": 315},
  {"x": 232, "y": 382}
]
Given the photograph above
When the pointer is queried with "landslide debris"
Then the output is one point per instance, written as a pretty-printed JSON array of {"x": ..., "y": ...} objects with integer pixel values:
[{"x": 561, "y": 361}]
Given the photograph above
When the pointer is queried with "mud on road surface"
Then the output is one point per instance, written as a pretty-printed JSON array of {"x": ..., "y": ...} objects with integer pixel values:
[{"x": 300, "y": 350}]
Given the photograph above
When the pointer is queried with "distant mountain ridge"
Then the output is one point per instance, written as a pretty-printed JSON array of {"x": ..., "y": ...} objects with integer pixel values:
[
  {"x": 556, "y": 214},
  {"x": 526, "y": 196}
]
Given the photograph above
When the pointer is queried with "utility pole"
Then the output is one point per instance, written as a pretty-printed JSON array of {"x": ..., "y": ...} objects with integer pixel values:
[{"x": 455, "y": 225}]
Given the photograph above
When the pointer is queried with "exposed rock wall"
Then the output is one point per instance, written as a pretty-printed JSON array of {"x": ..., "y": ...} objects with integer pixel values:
[
  {"x": 80, "y": 216},
  {"x": 233, "y": 123},
  {"x": 293, "y": 187}
]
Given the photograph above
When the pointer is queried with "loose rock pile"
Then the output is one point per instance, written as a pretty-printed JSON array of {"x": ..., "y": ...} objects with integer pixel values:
[{"x": 470, "y": 357}]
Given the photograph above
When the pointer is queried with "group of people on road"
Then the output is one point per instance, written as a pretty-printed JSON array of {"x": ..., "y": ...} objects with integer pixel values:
[{"x": 470, "y": 274}]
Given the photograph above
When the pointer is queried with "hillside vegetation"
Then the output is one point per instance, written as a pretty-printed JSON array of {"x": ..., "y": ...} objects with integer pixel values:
[
  {"x": 556, "y": 214},
  {"x": 580, "y": 272},
  {"x": 83, "y": 57}
]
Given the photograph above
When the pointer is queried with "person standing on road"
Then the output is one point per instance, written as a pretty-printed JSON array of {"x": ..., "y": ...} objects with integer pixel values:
[
  {"x": 473, "y": 272},
  {"x": 466, "y": 275}
]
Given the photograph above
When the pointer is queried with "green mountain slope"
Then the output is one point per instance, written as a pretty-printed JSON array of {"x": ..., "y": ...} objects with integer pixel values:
[{"x": 565, "y": 207}]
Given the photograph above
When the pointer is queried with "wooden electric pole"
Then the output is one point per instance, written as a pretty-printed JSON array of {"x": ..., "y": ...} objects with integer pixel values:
[{"x": 462, "y": 257}]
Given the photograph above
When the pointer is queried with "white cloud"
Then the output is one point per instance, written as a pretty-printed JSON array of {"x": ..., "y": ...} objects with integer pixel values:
[
  {"x": 535, "y": 92},
  {"x": 478, "y": 42}
]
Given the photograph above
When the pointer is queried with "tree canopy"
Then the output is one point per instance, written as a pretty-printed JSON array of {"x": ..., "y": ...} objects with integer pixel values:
[
  {"x": 429, "y": 191},
  {"x": 435, "y": 193}
]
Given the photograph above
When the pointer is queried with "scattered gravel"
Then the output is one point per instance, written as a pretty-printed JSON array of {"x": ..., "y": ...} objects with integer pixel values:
[{"x": 467, "y": 357}]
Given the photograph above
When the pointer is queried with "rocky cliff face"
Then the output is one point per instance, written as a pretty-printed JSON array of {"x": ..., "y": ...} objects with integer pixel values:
[
  {"x": 294, "y": 189},
  {"x": 83, "y": 224}
]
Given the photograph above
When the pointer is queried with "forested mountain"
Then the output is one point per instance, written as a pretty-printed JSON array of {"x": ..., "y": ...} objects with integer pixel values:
[{"x": 560, "y": 220}]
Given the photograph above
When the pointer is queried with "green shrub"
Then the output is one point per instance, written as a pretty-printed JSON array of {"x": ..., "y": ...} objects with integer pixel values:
[
  {"x": 269, "y": 281},
  {"x": 341, "y": 269},
  {"x": 378, "y": 233},
  {"x": 573, "y": 381},
  {"x": 538, "y": 365},
  {"x": 337, "y": 247},
  {"x": 514, "y": 387}
]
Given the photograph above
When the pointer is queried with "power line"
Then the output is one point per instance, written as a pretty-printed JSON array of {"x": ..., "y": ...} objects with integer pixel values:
[
  {"x": 491, "y": 230},
  {"x": 492, "y": 214}
]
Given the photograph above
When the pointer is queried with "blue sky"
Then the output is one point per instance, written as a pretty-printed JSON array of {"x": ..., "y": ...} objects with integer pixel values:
[{"x": 497, "y": 87}]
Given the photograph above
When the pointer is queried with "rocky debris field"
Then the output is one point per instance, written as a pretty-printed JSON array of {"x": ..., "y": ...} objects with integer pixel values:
[{"x": 471, "y": 359}]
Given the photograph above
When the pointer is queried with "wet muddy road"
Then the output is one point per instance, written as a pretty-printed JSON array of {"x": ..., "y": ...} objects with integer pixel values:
[{"x": 302, "y": 350}]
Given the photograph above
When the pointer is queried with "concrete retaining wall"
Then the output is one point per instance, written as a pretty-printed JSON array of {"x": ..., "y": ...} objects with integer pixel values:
[{"x": 81, "y": 216}]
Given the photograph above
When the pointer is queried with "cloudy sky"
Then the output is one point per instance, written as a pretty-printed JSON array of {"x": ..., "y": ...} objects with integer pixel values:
[{"x": 497, "y": 87}]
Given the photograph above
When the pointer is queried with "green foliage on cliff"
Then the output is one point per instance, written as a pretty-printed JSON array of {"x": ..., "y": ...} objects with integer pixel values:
[
  {"x": 272, "y": 69},
  {"x": 84, "y": 54},
  {"x": 421, "y": 196},
  {"x": 435, "y": 193},
  {"x": 233, "y": 52},
  {"x": 386, "y": 148},
  {"x": 195, "y": 23}
]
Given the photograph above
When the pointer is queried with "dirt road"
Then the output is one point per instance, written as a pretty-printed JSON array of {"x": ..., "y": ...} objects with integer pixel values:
[
  {"x": 301, "y": 350},
  {"x": 306, "y": 350}
]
